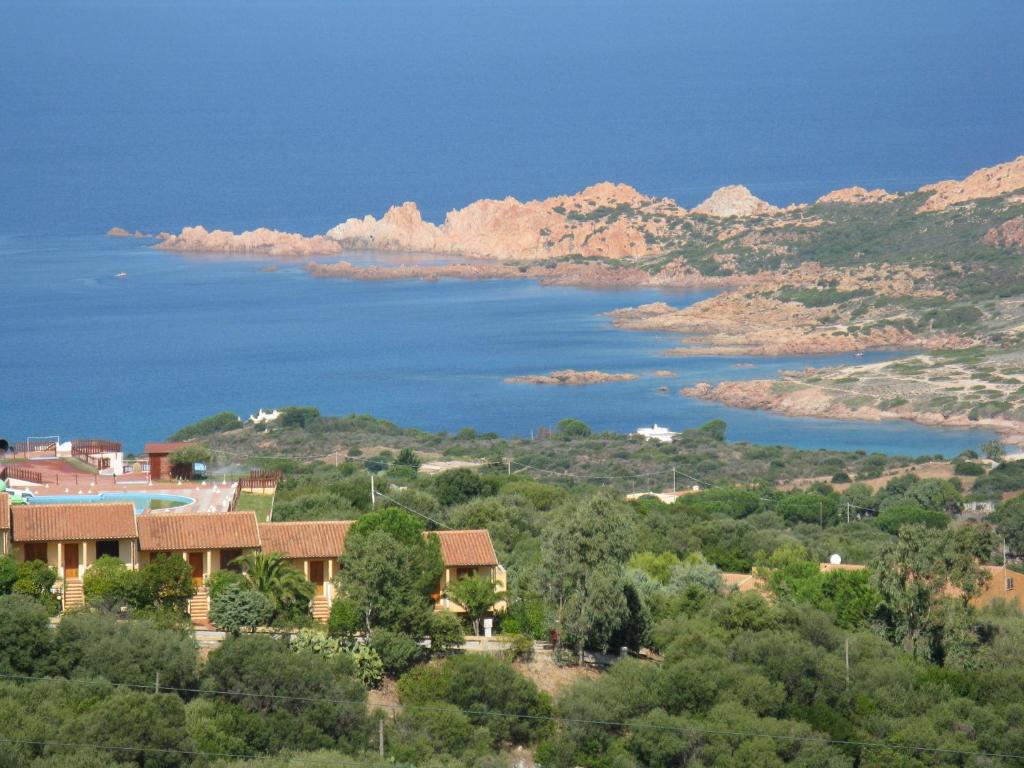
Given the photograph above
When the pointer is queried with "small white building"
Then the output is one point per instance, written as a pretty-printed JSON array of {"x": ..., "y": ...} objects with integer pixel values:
[
  {"x": 661, "y": 434},
  {"x": 263, "y": 417}
]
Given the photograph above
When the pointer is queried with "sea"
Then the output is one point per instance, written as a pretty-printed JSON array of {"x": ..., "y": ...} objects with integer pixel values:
[{"x": 296, "y": 115}]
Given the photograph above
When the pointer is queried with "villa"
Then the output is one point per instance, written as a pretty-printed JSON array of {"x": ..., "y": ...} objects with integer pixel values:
[
  {"x": 659, "y": 433},
  {"x": 71, "y": 537}
]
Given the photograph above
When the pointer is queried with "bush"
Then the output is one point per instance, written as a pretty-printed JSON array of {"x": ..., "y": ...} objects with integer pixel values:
[
  {"x": 221, "y": 422},
  {"x": 36, "y": 580},
  {"x": 446, "y": 632},
  {"x": 397, "y": 651},
  {"x": 840, "y": 477},
  {"x": 236, "y": 608},
  {"x": 109, "y": 584},
  {"x": 345, "y": 619},
  {"x": 520, "y": 648},
  {"x": 8, "y": 574},
  {"x": 221, "y": 580},
  {"x": 457, "y": 486},
  {"x": 477, "y": 684},
  {"x": 165, "y": 582},
  {"x": 968, "y": 469},
  {"x": 570, "y": 428},
  {"x": 298, "y": 416},
  {"x": 26, "y": 640},
  {"x": 124, "y": 652},
  {"x": 892, "y": 519}
]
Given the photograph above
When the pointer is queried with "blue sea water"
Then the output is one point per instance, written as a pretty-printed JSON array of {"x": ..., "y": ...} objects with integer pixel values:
[
  {"x": 231, "y": 113},
  {"x": 134, "y": 358}
]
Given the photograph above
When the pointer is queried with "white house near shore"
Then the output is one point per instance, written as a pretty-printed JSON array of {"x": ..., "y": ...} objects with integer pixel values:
[{"x": 661, "y": 434}]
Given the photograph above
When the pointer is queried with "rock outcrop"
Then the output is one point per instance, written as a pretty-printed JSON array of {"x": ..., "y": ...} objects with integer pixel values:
[
  {"x": 735, "y": 200},
  {"x": 262, "y": 241},
  {"x": 857, "y": 196},
  {"x": 1009, "y": 234},
  {"x": 986, "y": 182},
  {"x": 512, "y": 230},
  {"x": 572, "y": 378}
]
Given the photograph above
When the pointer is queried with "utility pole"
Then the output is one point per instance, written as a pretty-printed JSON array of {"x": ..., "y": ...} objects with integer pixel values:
[
  {"x": 821, "y": 515},
  {"x": 847, "y": 513},
  {"x": 380, "y": 737},
  {"x": 156, "y": 687},
  {"x": 847, "y": 662},
  {"x": 673, "y": 479},
  {"x": 510, "y": 467},
  {"x": 373, "y": 492}
]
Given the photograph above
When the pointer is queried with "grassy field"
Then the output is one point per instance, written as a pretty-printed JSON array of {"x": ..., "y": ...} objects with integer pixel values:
[{"x": 259, "y": 503}]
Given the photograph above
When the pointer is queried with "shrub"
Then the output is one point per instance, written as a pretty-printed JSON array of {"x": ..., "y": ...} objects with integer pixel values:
[
  {"x": 26, "y": 640},
  {"x": 457, "y": 486},
  {"x": 570, "y": 428},
  {"x": 236, "y": 608},
  {"x": 446, "y": 632},
  {"x": 8, "y": 574},
  {"x": 166, "y": 582},
  {"x": 36, "y": 580},
  {"x": 109, "y": 584},
  {"x": 397, "y": 651},
  {"x": 520, "y": 648},
  {"x": 968, "y": 469},
  {"x": 300, "y": 416},
  {"x": 346, "y": 619},
  {"x": 840, "y": 477},
  {"x": 221, "y": 422}
]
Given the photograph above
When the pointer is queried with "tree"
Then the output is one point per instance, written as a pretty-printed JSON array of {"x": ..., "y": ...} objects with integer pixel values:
[
  {"x": 26, "y": 640},
  {"x": 570, "y": 428},
  {"x": 8, "y": 574},
  {"x": 447, "y": 632},
  {"x": 994, "y": 450},
  {"x": 109, "y": 584},
  {"x": 234, "y": 608},
  {"x": 36, "y": 580},
  {"x": 89, "y": 644},
  {"x": 913, "y": 573},
  {"x": 715, "y": 429},
  {"x": 345, "y": 619},
  {"x": 285, "y": 587},
  {"x": 153, "y": 727},
  {"x": 389, "y": 570},
  {"x": 298, "y": 416},
  {"x": 165, "y": 582},
  {"x": 221, "y": 422},
  {"x": 407, "y": 458},
  {"x": 457, "y": 486},
  {"x": 582, "y": 538},
  {"x": 1009, "y": 521},
  {"x": 184, "y": 459},
  {"x": 477, "y": 594},
  {"x": 895, "y": 516},
  {"x": 397, "y": 650}
]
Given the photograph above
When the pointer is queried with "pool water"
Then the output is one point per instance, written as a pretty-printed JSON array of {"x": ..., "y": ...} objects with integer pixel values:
[{"x": 142, "y": 501}]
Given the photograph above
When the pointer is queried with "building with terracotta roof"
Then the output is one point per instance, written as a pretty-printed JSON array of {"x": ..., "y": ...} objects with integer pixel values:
[
  {"x": 314, "y": 548},
  {"x": 468, "y": 553},
  {"x": 71, "y": 537}
]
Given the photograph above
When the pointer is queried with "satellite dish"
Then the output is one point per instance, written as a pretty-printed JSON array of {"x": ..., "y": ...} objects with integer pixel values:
[{"x": 835, "y": 559}]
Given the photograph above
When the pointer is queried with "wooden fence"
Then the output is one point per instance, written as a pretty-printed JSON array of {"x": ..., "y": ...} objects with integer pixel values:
[
  {"x": 14, "y": 472},
  {"x": 260, "y": 480}
]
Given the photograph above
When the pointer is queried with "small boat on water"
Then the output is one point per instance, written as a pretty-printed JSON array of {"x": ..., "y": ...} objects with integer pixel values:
[
  {"x": 121, "y": 274},
  {"x": 858, "y": 354}
]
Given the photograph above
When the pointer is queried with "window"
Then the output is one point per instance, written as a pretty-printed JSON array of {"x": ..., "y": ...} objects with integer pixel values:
[
  {"x": 108, "y": 549},
  {"x": 226, "y": 558},
  {"x": 35, "y": 550},
  {"x": 1009, "y": 583}
]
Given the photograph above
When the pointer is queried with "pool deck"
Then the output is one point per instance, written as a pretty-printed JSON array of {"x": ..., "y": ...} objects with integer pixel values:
[{"x": 209, "y": 496}]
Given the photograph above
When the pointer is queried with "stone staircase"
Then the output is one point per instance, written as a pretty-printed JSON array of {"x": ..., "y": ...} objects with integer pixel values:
[
  {"x": 199, "y": 608},
  {"x": 74, "y": 595},
  {"x": 321, "y": 609}
]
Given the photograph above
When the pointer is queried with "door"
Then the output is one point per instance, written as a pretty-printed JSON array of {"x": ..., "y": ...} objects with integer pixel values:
[
  {"x": 316, "y": 575},
  {"x": 71, "y": 560},
  {"x": 195, "y": 561}
]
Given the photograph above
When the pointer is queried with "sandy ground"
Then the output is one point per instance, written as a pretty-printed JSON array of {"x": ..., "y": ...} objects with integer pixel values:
[{"x": 940, "y": 470}]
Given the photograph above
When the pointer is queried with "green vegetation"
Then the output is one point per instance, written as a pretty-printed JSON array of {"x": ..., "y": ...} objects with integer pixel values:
[{"x": 221, "y": 422}]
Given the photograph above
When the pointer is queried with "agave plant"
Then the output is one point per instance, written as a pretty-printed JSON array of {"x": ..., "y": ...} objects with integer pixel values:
[{"x": 270, "y": 574}]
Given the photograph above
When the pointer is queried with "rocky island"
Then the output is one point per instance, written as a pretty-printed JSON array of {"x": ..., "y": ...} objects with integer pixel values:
[{"x": 572, "y": 378}]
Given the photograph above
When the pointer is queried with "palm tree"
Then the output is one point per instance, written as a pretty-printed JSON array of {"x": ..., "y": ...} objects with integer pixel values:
[{"x": 270, "y": 574}]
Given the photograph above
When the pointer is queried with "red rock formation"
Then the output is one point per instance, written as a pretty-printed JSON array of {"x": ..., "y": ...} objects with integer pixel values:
[
  {"x": 857, "y": 196},
  {"x": 986, "y": 182},
  {"x": 263, "y": 241},
  {"x": 1008, "y": 234}
]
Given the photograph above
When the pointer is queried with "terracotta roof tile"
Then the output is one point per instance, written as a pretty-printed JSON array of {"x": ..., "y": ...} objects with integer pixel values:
[
  {"x": 73, "y": 522},
  {"x": 321, "y": 538},
  {"x": 173, "y": 532},
  {"x": 467, "y": 548},
  {"x": 163, "y": 447}
]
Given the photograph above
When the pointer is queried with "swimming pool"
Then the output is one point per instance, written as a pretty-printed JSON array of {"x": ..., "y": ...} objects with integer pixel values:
[{"x": 142, "y": 501}]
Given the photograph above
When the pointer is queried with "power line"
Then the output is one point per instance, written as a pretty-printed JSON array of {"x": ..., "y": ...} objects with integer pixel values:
[
  {"x": 169, "y": 751},
  {"x": 689, "y": 730},
  {"x": 413, "y": 511}
]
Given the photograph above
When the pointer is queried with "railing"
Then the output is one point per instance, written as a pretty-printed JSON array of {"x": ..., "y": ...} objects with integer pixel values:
[
  {"x": 260, "y": 479},
  {"x": 90, "y": 451},
  {"x": 14, "y": 472}
]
